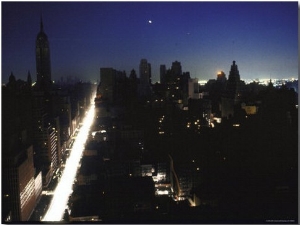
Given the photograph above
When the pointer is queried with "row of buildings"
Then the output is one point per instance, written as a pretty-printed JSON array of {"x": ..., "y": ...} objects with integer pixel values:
[
  {"x": 227, "y": 99},
  {"x": 175, "y": 86},
  {"x": 121, "y": 178},
  {"x": 218, "y": 98},
  {"x": 38, "y": 121}
]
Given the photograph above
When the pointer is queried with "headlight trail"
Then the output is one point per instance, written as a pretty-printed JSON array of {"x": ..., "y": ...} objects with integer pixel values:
[{"x": 64, "y": 187}]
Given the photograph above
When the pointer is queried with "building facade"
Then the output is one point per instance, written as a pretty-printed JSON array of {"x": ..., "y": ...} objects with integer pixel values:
[
  {"x": 232, "y": 93},
  {"x": 19, "y": 189},
  {"x": 145, "y": 78},
  {"x": 43, "y": 65},
  {"x": 163, "y": 74}
]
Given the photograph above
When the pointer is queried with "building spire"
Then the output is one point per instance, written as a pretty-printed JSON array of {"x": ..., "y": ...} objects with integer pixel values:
[
  {"x": 12, "y": 78},
  {"x": 41, "y": 25},
  {"x": 29, "y": 80}
]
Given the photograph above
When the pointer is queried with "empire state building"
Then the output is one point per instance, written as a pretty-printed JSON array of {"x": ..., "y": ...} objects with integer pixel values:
[{"x": 43, "y": 67}]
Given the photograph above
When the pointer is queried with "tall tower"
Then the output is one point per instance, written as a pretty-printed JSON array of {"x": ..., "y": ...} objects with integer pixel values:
[
  {"x": 145, "y": 78},
  {"x": 18, "y": 189},
  {"x": 145, "y": 72},
  {"x": 233, "y": 83},
  {"x": 163, "y": 74},
  {"x": 232, "y": 94},
  {"x": 43, "y": 67},
  {"x": 176, "y": 68}
]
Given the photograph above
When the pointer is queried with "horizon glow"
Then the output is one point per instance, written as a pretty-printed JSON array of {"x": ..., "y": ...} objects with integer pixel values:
[{"x": 262, "y": 37}]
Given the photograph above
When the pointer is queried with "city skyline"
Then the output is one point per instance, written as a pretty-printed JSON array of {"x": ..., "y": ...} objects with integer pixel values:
[{"x": 262, "y": 37}]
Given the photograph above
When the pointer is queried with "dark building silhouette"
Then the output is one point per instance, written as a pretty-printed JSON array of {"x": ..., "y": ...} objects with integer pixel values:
[
  {"x": 145, "y": 78},
  {"x": 119, "y": 176},
  {"x": 174, "y": 83},
  {"x": 56, "y": 112},
  {"x": 176, "y": 68},
  {"x": 44, "y": 137},
  {"x": 43, "y": 66},
  {"x": 163, "y": 74},
  {"x": 133, "y": 85},
  {"x": 44, "y": 133},
  {"x": 29, "y": 79},
  {"x": 19, "y": 187},
  {"x": 111, "y": 85},
  {"x": 221, "y": 77},
  {"x": 215, "y": 89},
  {"x": 233, "y": 83},
  {"x": 232, "y": 93},
  {"x": 38, "y": 121}
]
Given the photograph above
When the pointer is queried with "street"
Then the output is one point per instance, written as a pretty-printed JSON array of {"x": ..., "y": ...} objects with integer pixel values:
[{"x": 64, "y": 188}]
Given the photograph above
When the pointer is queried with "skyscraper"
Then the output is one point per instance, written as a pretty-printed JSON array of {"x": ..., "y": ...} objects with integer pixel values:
[
  {"x": 145, "y": 72},
  {"x": 18, "y": 181},
  {"x": 233, "y": 83},
  {"x": 176, "y": 68},
  {"x": 145, "y": 78},
  {"x": 108, "y": 83},
  {"x": 43, "y": 67},
  {"x": 44, "y": 144},
  {"x": 163, "y": 74},
  {"x": 232, "y": 93}
]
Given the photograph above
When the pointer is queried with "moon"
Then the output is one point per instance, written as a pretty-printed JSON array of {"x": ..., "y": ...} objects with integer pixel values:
[{"x": 150, "y": 21}]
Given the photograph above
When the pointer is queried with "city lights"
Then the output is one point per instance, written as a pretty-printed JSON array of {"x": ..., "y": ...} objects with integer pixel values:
[
  {"x": 64, "y": 187},
  {"x": 164, "y": 192}
]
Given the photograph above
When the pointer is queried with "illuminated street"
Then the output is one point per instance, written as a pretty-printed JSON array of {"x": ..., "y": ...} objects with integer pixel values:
[{"x": 64, "y": 187}]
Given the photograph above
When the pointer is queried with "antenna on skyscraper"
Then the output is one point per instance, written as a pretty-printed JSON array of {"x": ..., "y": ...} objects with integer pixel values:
[{"x": 41, "y": 24}]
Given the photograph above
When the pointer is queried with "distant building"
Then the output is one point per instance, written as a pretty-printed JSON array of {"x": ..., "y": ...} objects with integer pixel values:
[
  {"x": 176, "y": 68},
  {"x": 111, "y": 88},
  {"x": 145, "y": 78},
  {"x": 184, "y": 82},
  {"x": 45, "y": 141},
  {"x": 145, "y": 72},
  {"x": 175, "y": 84},
  {"x": 233, "y": 83},
  {"x": 193, "y": 89},
  {"x": 163, "y": 74},
  {"x": 215, "y": 90},
  {"x": 221, "y": 77},
  {"x": 200, "y": 109},
  {"x": 232, "y": 93},
  {"x": 108, "y": 80},
  {"x": 38, "y": 119},
  {"x": 43, "y": 66}
]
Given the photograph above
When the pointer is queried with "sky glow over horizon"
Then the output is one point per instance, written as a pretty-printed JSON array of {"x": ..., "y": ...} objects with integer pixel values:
[{"x": 262, "y": 37}]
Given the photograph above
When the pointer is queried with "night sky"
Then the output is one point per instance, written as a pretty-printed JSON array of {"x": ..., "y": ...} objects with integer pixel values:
[{"x": 204, "y": 36}]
